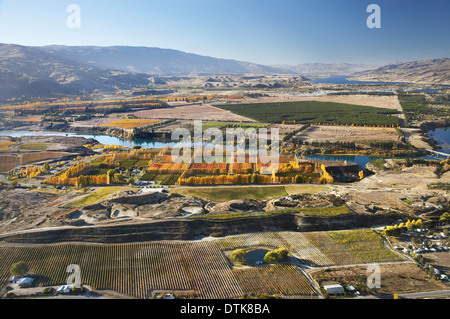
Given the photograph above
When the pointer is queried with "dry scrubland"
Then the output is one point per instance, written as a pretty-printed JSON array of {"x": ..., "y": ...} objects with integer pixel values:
[
  {"x": 395, "y": 278},
  {"x": 320, "y": 133},
  {"x": 129, "y": 123},
  {"x": 411, "y": 177}
]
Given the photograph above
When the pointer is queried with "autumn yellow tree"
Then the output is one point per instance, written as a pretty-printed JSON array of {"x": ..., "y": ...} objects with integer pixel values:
[{"x": 361, "y": 174}]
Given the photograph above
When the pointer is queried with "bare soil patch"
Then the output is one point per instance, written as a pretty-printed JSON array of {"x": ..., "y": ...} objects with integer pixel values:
[
  {"x": 347, "y": 134},
  {"x": 404, "y": 277},
  {"x": 412, "y": 177},
  {"x": 185, "y": 111}
]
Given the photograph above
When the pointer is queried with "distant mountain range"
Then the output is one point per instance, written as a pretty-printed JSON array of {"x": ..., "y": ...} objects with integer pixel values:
[
  {"x": 327, "y": 69},
  {"x": 30, "y": 71},
  {"x": 156, "y": 61},
  {"x": 436, "y": 71},
  {"x": 60, "y": 70},
  {"x": 51, "y": 70}
]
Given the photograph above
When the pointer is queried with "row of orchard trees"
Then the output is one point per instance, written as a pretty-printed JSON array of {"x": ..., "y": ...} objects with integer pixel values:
[
  {"x": 236, "y": 179},
  {"x": 73, "y": 176},
  {"x": 226, "y": 179},
  {"x": 402, "y": 227},
  {"x": 28, "y": 172},
  {"x": 69, "y": 177},
  {"x": 252, "y": 179},
  {"x": 31, "y": 172}
]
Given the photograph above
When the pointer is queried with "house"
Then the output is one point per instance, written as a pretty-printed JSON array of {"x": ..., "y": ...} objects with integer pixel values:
[
  {"x": 334, "y": 289},
  {"x": 14, "y": 279},
  {"x": 352, "y": 290},
  {"x": 64, "y": 289},
  {"x": 25, "y": 282}
]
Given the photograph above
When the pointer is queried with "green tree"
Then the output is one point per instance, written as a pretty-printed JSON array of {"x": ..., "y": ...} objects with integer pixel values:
[
  {"x": 238, "y": 255},
  {"x": 110, "y": 175},
  {"x": 418, "y": 223},
  {"x": 271, "y": 257},
  {"x": 46, "y": 167},
  {"x": 19, "y": 269},
  {"x": 282, "y": 253},
  {"x": 445, "y": 217}
]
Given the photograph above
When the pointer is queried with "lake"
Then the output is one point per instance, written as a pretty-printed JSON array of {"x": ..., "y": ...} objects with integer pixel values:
[
  {"x": 442, "y": 137},
  {"x": 358, "y": 159},
  {"x": 101, "y": 138},
  {"x": 342, "y": 79}
]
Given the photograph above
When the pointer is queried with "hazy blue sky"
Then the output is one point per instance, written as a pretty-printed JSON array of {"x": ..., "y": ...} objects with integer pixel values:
[{"x": 262, "y": 31}]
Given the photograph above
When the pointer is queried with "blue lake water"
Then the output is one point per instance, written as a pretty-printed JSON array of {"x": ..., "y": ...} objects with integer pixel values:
[
  {"x": 442, "y": 137},
  {"x": 360, "y": 160},
  {"x": 103, "y": 139},
  {"x": 342, "y": 79}
]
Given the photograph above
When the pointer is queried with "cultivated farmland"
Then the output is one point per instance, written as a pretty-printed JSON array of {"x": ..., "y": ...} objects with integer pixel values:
[
  {"x": 132, "y": 269},
  {"x": 320, "y": 248},
  {"x": 285, "y": 280},
  {"x": 314, "y": 112},
  {"x": 129, "y": 123},
  {"x": 199, "y": 268},
  {"x": 192, "y": 112}
]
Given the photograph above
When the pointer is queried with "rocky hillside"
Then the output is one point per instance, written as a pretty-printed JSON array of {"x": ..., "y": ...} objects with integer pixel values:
[
  {"x": 327, "y": 69},
  {"x": 436, "y": 71},
  {"x": 61, "y": 70},
  {"x": 31, "y": 71}
]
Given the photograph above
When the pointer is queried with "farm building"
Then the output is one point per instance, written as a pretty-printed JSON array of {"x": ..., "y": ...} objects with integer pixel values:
[
  {"x": 334, "y": 289},
  {"x": 14, "y": 279},
  {"x": 25, "y": 282},
  {"x": 64, "y": 289}
]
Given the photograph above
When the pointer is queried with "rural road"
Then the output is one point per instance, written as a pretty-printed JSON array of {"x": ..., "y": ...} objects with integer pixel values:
[
  {"x": 438, "y": 293},
  {"x": 3, "y": 179},
  {"x": 401, "y": 119},
  {"x": 427, "y": 294}
]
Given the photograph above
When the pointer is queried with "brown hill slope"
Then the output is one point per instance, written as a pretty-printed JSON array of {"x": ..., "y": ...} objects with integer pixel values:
[{"x": 436, "y": 71}]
